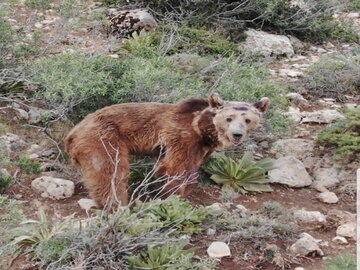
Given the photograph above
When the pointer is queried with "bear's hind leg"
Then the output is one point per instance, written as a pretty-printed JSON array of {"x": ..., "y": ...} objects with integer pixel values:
[{"x": 106, "y": 175}]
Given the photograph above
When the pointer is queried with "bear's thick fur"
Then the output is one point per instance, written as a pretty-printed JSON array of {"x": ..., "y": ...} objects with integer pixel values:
[{"x": 187, "y": 132}]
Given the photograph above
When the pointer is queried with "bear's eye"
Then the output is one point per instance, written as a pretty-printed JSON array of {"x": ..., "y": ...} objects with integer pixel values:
[
  {"x": 247, "y": 121},
  {"x": 228, "y": 119}
]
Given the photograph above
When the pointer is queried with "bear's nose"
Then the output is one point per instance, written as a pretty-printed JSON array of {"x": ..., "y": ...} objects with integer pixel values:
[{"x": 237, "y": 135}]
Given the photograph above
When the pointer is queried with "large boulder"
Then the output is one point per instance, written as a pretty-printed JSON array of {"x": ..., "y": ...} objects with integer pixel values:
[
  {"x": 299, "y": 148},
  {"x": 290, "y": 171},
  {"x": 323, "y": 117},
  {"x": 267, "y": 45},
  {"x": 310, "y": 218},
  {"x": 327, "y": 177},
  {"x": 124, "y": 22},
  {"x": 347, "y": 230},
  {"x": 306, "y": 246},
  {"x": 53, "y": 188}
]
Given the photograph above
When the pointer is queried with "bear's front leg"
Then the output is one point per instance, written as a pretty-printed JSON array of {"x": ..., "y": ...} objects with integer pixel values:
[{"x": 181, "y": 169}]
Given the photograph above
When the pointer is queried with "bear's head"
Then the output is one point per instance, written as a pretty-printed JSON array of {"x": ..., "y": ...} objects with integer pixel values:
[{"x": 234, "y": 120}]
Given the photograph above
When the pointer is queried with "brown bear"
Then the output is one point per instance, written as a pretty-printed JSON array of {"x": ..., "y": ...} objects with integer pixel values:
[{"x": 187, "y": 132}]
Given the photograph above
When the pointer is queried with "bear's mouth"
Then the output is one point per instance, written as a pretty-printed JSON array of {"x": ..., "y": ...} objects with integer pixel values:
[{"x": 235, "y": 140}]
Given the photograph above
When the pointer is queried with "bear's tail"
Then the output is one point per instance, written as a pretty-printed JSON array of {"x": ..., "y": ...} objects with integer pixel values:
[{"x": 69, "y": 147}]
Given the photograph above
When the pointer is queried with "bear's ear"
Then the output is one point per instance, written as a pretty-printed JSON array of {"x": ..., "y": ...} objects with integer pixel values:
[
  {"x": 215, "y": 100},
  {"x": 262, "y": 105}
]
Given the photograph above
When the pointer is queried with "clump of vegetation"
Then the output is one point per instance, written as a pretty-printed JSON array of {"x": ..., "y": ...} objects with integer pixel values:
[
  {"x": 245, "y": 175},
  {"x": 343, "y": 136},
  {"x": 166, "y": 257},
  {"x": 335, "y": 76},
  {"x": 258, "y": 226},
  {"x": 174, "y": 213},
  {"x": 148, "y": 232},
  {"x": 11, "y": 216},
  {"x": 341, "y": 262},
  {"x": 5, "y": 182},
  {"x": 39, "y": 4},
  {"x": 29, "y": 166},
  {"x": 312, "y": 21}
]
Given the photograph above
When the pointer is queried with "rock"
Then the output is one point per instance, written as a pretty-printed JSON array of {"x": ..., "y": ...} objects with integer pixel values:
[
  {"x": 12, "y": 142},
  {"x": 210, "y": 232},
  {"x": 290, "y": 171},
  {"x": 218, "y": 249},
  {"x": 306, "y": 246},
  {"x": 299, "y": 268},
  {"x": 347, "y": 230},
  {"x": 321, "y": 50},
  {"x": 296, "y": 43},
  {"x": 341, "y": 217},
  {"x": 320, "y": 188},
  {"x": 350, "y": 106},
  {"x": 328, "y": 197},
  {"x": 290, "y": 73},
  {"x": 48, "y": 153},
  {"x": 267, "y": 45},
  {"x": 33, "y": 156},
  {"x": 124, "y": 22},
  {"x": 34, "y": 116},
  {"x": 323, "y": 117},
  {"x": 4, "y": 173},
  {"x": 87, "y": 204},
  {"x": 38, "y": 25},
  {"x": 327, "y": 177},
  {"x": 297, "y": 98},
  {"x": 215, "y": 209},
  {"x": 310, "y": 218},
  {"x": 33, "y": 148},
  {"x": 23, "y": 114},
  {"x": 340, "y": 240},
  {"x": 53, "y": 188},
  {"x": 299, "y": 148}
]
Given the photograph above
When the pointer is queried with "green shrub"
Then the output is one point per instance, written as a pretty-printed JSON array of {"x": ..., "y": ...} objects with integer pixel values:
[
  {"x": 341, "y": 262},
  {"x": 313, "y": 22},
  {"x": 335, "y": 76},
  {"x": 166, "y": 257},
  {"x": 5, "y": 182},
  {"x": 343, "y": 136},
  {"x": 50, "y": 250},
  {"x": 174, "y": 213},
  {"x": 244, "y": 175},
  {"x": 29, "y": 166},
  {"x": 39, "y": 4}
]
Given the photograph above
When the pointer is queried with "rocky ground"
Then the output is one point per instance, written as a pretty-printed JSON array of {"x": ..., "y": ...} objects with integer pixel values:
[{"x": 320, "y": 192}]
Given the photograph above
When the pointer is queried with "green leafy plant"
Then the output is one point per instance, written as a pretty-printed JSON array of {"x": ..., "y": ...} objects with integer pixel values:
[
  {"x": 39, "y": 4},
  {"x": 140, "y": 44},
  {"x": 343, "y": 136},
  {"x": 245, "y": 175},
  {"x": 5, "y": 182},
  {"x": 29, "y": 166},
  {"x": 33, "y": 232},
  {"x": 169, "y": 256},
  {"x": 174, "y": 212},
  {"x": 341, "y": 262}
]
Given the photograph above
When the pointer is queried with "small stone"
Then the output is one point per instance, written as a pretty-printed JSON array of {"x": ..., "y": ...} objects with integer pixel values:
[
  {"x": 350, "y": 106},
  {"x": 53, "y": 188},
  {"x": 347, "y": 230},
  {"x": 38, "y": 25},
  {"x": 23, "y": 114},
  {"x": 113, "y": 55},
  {"x": 210, "y": 232},
  {"x": 218, "y": 249},
  {"x": 311, "y": 218},
  {"x": 321, "y": 188},
  {"x": 87, "y": 204},
  {"x": 215, "y": 209},
  {"x": 290, "y": 73},
  {"x": 341, "y": 217},
  {"x": 299, "y": 268},
  {"x": 297, "y": 98},
  {"x": 33, "y": 156},
  {"x": 47, "y": 153},
  {"x": 340, "y": 240},
  {"x": 328, "y": 197},
  {"x": 321, "y": 50}
]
